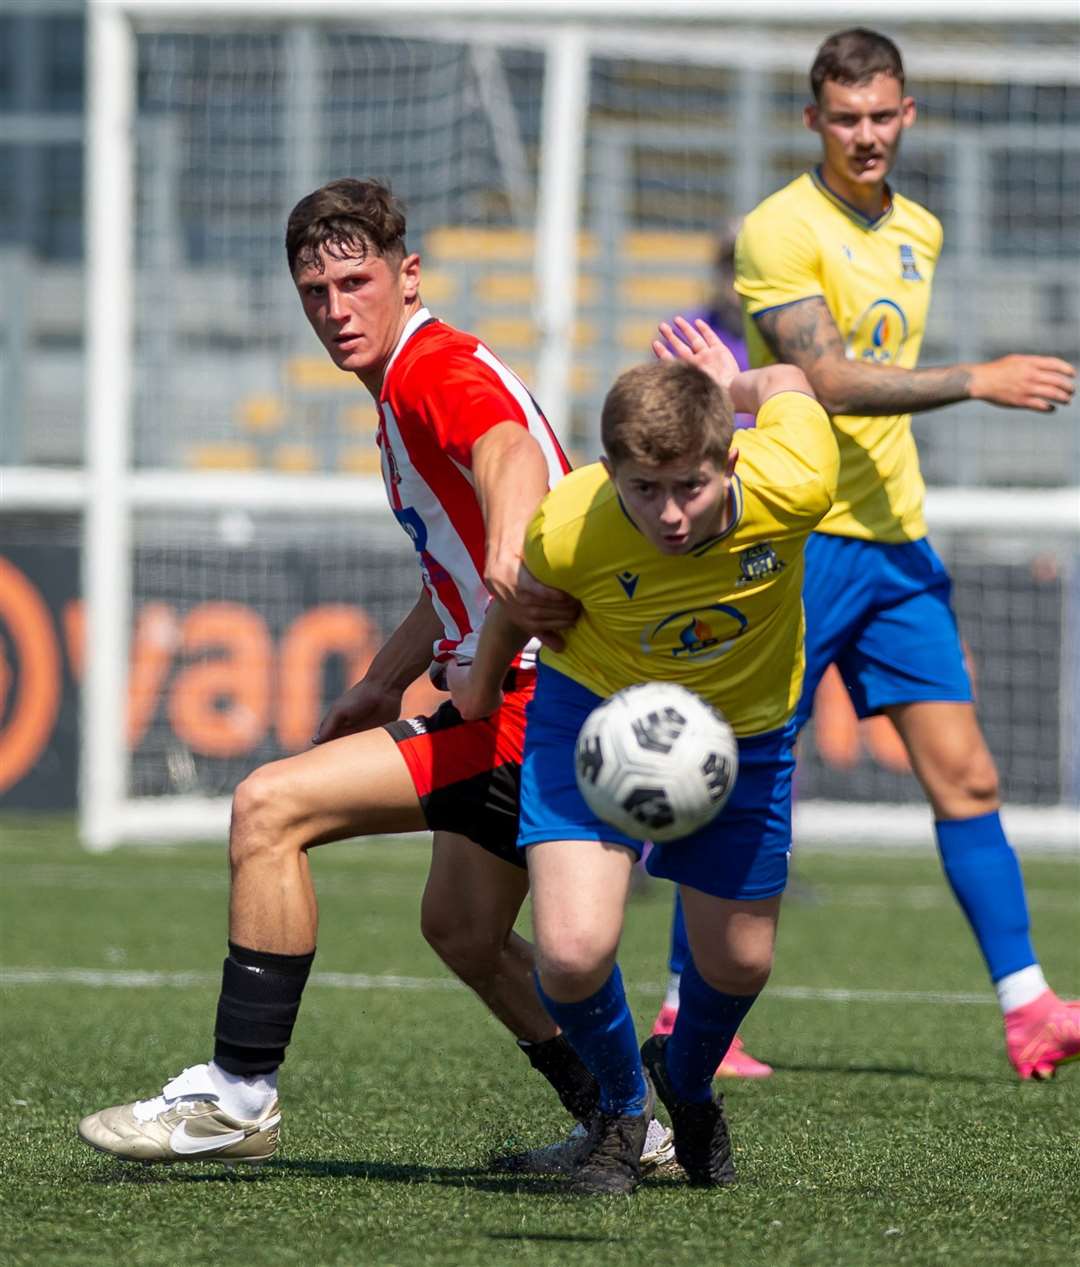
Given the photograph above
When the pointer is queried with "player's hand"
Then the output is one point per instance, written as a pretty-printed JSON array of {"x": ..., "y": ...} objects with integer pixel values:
[
  {"x": 700, "y": 345},
  {"x": 537, "y": 608},
  {"x": 471, "y": 702},
  {"x": 1024, "y": 382},
  {"x": 362, "y": 707}
]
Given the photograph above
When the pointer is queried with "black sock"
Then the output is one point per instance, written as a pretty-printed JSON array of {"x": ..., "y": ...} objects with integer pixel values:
[
  {"x": 260, "y": 997},
  {"x": 575, "y": 1086}
]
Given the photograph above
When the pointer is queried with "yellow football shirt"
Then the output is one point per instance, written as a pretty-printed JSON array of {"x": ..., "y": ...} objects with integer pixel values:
[
  {"x": 875, "y": 276},
  {"x": 726, "y": 619}
]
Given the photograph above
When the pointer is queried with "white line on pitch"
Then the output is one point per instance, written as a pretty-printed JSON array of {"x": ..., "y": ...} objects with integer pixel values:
[{"x": 126, "y": 979}]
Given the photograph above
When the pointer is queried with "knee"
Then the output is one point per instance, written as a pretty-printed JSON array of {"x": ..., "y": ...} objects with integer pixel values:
[
  {"x": 972, "y": 779},
  {"x": 574, "y": 969},
  {"x": 469, "y": 949},
  {"x": 745, "y": 972},
  {"x": 261, "y": 817}
]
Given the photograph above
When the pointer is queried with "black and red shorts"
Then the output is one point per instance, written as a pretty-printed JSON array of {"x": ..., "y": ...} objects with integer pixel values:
[{"x": 468, "y": 773}]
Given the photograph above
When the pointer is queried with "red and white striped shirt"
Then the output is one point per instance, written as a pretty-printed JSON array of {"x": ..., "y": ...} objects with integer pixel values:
[{"x": 442, "y": 390}]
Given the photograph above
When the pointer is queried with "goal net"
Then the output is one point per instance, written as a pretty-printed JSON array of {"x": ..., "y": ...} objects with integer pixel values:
[{"x": 566, "y": 178}]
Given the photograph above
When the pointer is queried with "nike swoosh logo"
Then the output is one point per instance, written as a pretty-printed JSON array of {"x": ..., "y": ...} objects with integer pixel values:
[{"x": 181, "y": 1141}]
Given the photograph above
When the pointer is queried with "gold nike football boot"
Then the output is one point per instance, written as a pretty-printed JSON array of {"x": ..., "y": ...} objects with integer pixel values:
[{"x": 183, "y": 1123}]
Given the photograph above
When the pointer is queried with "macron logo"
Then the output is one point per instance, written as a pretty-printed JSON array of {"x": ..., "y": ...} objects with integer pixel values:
[{"x": 628, "y": 580}]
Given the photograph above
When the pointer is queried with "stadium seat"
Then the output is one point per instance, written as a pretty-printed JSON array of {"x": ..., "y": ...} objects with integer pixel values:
[
  {"x": 360, "y": 460},
  {"x": 359, "y": 419},
  {"x": 223, "y": 455},
  {"x": 318, "y": 373},
  {"x": 260, "y": 413},
  {"x": 693, "y": 251},
  {"x": 299, "y": 459},
  {"x": 664, "y": 292}
]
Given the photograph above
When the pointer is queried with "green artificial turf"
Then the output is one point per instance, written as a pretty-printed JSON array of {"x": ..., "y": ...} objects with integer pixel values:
[{"x": 893, "y": 1130}]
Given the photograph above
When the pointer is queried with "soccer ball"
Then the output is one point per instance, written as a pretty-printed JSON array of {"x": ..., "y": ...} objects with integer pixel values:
[{"x": 656, "y": 761}]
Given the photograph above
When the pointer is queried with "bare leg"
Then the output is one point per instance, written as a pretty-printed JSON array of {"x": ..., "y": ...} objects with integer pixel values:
[
  {"x": 469, "y": 907},
  {"x": 579, "y": 891},
  {"x": 353, "y": 786},
  {"x": 732, "y": 942},
  {"x": 949, "y": 756}
]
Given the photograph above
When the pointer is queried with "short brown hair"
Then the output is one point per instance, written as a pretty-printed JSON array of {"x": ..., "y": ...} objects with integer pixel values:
[
  {"x": 348, "y": 218},
  {"x": 855, "y": 57},
  {"x": 666, "y": 411}
]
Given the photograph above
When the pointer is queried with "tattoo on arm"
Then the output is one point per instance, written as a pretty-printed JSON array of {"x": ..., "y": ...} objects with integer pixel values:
[
  {"x": 802, "y": 334},
  {"x": 805, "y": 334}
]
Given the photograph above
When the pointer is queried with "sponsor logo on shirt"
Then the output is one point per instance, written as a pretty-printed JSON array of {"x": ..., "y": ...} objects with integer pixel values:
[
  {"x": 879, "y": 333},
  {"x": 697, "y": 634},
  {"x": 414, "y": 526}
]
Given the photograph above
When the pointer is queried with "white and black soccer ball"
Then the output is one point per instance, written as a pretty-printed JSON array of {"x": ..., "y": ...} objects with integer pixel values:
[{"x": 656, "y": 761}]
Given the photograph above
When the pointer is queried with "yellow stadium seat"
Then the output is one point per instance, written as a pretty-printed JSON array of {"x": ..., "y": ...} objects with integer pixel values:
[
  {"x": 437, "y": 287},
  {"x": 689, "y": 249},
  {"x": 223, "y": 455},
  {"x": 505, "y": 288},
  {"x": 358, "y": 460},
  {"x": 664, "y": 293},
  {"x": 583, "y": 378},
  {"x": 360, "y": 419},
  {"x": 299, "y": 459},
  {"x": 468, "y": 244},
  {"x": 319, "y": 373},
  {"x": 637, "y": 333},
  {"x": 471, "y": 244},
  {"x": 520, "y": 288},
  {"x": 260, "y": 413},
  {"x": 505, "y": 334}
]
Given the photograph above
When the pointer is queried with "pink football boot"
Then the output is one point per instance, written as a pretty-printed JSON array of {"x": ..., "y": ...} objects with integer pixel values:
[{"x": 1042, "y": 1035}]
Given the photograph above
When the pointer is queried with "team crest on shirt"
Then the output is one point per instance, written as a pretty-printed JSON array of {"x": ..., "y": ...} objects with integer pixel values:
[
  {"x": 909, "y": 268},
  {"x": 758, "y": 563},
  {"x": 879, "y": 333},
  {"x": 695, "y": 634}
]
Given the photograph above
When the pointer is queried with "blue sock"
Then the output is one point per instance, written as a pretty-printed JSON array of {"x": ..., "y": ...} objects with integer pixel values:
[
  {"x": 707, "y": 1022},
  {"x": 680, "y": 943},
  {"x": 601, "y": 1030},
  {"x": 985, "y": 877}
]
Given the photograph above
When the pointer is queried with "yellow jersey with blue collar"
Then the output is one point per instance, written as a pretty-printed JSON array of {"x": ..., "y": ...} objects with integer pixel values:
[
  {"x": 874, "y": 275},
  {"x": 726, "y": 618}
]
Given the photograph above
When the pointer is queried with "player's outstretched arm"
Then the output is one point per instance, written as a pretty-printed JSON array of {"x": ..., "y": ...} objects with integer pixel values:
[
  {"x": 805, "y": 334},
  {"x": 477, "y": 690},
  {"x": 376, "y": 698},
  {"x": 511, "y": 478}
]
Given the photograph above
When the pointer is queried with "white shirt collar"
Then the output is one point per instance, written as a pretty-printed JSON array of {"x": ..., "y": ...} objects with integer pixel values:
[{"x": 411, "y": 326}]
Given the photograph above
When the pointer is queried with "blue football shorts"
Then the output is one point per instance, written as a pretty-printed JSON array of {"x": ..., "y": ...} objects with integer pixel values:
[
  {"x": 882, "y": 614},
  {"x": 742, "y": 854}
]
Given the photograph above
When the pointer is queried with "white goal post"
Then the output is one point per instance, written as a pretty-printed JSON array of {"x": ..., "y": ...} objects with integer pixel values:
[{"x": 542, "y": 131}]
